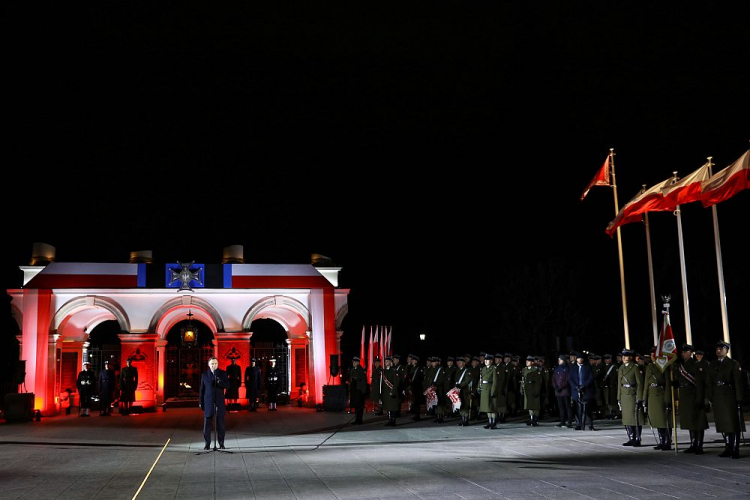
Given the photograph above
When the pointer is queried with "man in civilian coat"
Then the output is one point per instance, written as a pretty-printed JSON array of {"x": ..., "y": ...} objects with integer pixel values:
[
  {"x": 582, "y": 391},
  {"x": 214, "y": 382}
]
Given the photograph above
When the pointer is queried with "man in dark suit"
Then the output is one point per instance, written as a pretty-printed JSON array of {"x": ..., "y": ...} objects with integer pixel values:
[
  {"x": 211, "y": 400},
  {"x": 582, "y": 391}
]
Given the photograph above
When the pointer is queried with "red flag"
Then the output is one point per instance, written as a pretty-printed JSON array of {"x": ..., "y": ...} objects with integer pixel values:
[
  {"x": 362, "y": 348},
  {"x": 687, "y": 189},
  {"x": 602, "y": 178},
  {"x": 369, "y": 359},
  {"x": 374, "y": 349},
  {"x": 650, "y": 200},
  {"x": 728, "y": 182},
  {"x": 666, "y": 349},
  {"x": 390, "y": 337}
]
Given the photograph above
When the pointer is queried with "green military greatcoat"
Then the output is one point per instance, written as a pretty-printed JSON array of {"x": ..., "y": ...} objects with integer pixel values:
[
  {"x": 691, "y": 379},
  {"x": 630, "y": 390},
  {"x": 487, "y": 388},
  {"x": 531, "y": 386},
  {"x": 724, "y": 390},
  {"x": 657, "y": 396}
]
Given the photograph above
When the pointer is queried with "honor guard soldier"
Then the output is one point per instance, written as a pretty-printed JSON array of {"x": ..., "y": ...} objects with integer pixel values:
[
  {"x": 531, "y": 388},
  {"x": 416, "y": 386},
  {"x": 438, "y": 383},
  {"x": 630, "y": 397},
  {"x": 401, "y": 371},
  {"x": 501, "y": 389},
  {"x": 234, "y": 373},
  {"x": 512, "y": 386},
  {"x": 253, "y": 376},
  {"x": 357, "y": 381},
  {"x": 429, "y": 372},
  {"x": 86, "y": 384},
  {"x": 450, "y": 379},
  {"x": 488, "y": 392},
  {"x": 107, "y": 386},
  {"x": 657, "y": 398},
  {"x": 475, "y": 370},
  {"x": 462, "y": 383},
  {"x": 376, "y": 386},
  {"x": 391, "y": 384},
  {"x": 690, "y": 382},
  {"x": 725, "y": 390},
  {"x": 609, "y": 387},
  {"x": 128, "y": 385}
]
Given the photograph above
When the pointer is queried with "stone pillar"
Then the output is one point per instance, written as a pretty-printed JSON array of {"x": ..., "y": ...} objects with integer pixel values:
[
  {"x": 141, "y": 349},
  {"x": 161, "y": 355}
]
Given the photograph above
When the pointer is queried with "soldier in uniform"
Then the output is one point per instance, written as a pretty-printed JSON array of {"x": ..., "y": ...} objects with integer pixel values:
[
  {"x": 690, "y": 382},
  {"x": 657, "y": 398},
  {"x": 437, "y": 381},
  {"x": 429, "y": 373},
  {"x": 699, "y": 359},
  {"x": 609, "y": 387},
  {"x": 501, "y": 389},
  {"x": 488, "y": 391},
  {"x": 401, "y": 372},
  {"x": 630, "y": 397},
  {"x": 376, "y": 386},
  {"x": 597, "y": 370},
  {"x": 107, "y": 385},
  {"x": 86, "y": 383},
  {"x": 391, "y": 384},
  {"x": 450, "y": 379},
  {"x": 724, "y": 390},
  {"x": 234, "y": 373},
  {"x": 475, "y": 370},
  {"x": 416, "y": 385},
  {"x": 357, "y": 382},
  {"x": 463, "y": 383},
  {"x": 272, "y": 383},
  {"x": 531, "y": 388},
  {"x": 128, "y": 385},
  {"x": 252, "y": 384},
  {"x": 512, "y": 386}
]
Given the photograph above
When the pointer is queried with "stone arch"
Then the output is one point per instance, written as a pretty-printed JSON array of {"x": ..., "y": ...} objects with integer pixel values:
[
  {"x": 113, "y": 311},
  {"x": 340, "y": 315},
  {"x": 287, "y": 311},
  {"x": 165, "y": 316}
]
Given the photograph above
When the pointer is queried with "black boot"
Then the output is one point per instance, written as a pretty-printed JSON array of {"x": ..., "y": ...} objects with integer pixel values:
[
  {"x": 728, "y": 445},
  {"x": 535, "y": 420},
  {"x": 667, "y": 440},
  {"x": 440, "y": 418},
  {"x": 736, "y": 448},
  {"x": 699, "y": 442},
  {"x": 494, "y": 423},
  {"x": 661, "y": 439},
  {"x": 693, "y": 445},
  {"x": 638, "y": 432},
  {"x": 489, "y": 422},
  {"x": 631, "y": 439}
]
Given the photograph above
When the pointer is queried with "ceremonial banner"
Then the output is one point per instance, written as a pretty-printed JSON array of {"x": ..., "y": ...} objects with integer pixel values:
[
  {"x": 431, "y": 397},
  {"x": 602, "y": 178},
  {"x": 666, "y": 349},
  {"x": 455, "y": 396},
  {"x": 728, "y": 182}
]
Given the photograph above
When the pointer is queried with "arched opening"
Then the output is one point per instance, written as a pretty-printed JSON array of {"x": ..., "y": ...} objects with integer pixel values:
[
  {"x": 269, "y": 341},
  {"x": 104, "y": 344},
  {"x": 186, "y": 359}
]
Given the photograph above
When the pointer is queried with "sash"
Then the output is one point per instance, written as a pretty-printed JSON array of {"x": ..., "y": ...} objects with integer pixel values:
[
  {"x": 609, "y": 371},
  {"x": 685, "y": 374},
  {"x": 387, "y": 382}
]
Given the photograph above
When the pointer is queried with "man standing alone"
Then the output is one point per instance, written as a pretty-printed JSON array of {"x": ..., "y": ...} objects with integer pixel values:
[{"x": 211, "y": 400}]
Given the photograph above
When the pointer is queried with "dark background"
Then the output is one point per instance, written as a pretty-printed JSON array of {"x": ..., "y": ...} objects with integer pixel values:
[{"x": 436, "y": 152}]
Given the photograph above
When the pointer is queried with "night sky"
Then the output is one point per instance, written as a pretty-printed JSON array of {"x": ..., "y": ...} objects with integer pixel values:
[{"x": 427, "y": 149}]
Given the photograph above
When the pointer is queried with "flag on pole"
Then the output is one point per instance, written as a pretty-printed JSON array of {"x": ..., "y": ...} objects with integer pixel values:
[
  {"x": 728, "y": 182},
  {"x": 650, "y": 200},
  {"x": 666, "y": 349},
  {"x": 390, "y": 337},
  {"x": 602, "y": 178},
  {"x": 687, "y": 189},
  {"x": 369, "y": 359},
  {"x": 362, "y": 347}
]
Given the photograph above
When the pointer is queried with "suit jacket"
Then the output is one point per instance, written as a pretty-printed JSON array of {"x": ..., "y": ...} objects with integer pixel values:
[{"x": 208, "y": 393}]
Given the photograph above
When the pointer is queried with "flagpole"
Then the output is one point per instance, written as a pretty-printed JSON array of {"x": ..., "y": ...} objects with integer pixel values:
[
  {"x": 619, "y": 250},
  {"x": 685, "y": 300},
  {"x": 651, "y": 277},
  {"x": 719, "y": 266}
]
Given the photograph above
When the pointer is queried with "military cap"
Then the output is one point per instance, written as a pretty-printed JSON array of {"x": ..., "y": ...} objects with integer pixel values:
[
  {"x": 395, "y": 356},
  {"x": 355, "y": 358},
  {"x": 437, "y": 358},
  {"x": 460, "y": 358},
  {"x": 595, "y": 357},
  {"x": 376, "y": 360},
  {"x": 607, "y": 356},
  {"x": 530, "y": 358},
  {"x": 699, "y": 352},
  {"x": 577, "y": 354},
  {"x": 687, "y": 347},
  {"x": 508, "y": 355},
  {"x": 389, "y": 358},
  {"x": 498, "y": 355},
  {"x": 646, "y": 356},
  {"x": 414, "y": 357},
  {"x": 450, "y": 358},
  {"x": 87, "y": 363},
  {"x": 563, "y": 356},
  {"x": 106, "y": 361},
  {"x": 516, "y": 358},
  {"x": 723, "y": 345},
  {"x": 254, "y": 359},
  {"x": 475, "y": 358},
  {"x": 410, "y": 355},
  {"x": 627, "y": 352}
]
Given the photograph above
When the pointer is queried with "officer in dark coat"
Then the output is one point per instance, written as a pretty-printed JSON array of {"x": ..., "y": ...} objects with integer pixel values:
[
  {"x": 416, "y": 383},
  {"x": 376, "y": 387},
  {"x": 252, "y": 384},
  {"x": 463, "y": 384},
  {"x": 357, "y": 389},
  {"x": 86, "y": 384},
  {"x": 391, "y": 384},
  {"x": 690, "y": 382},
  {"x": 273, "y": 384},
  {"x": 214, "y": 383},
  {"x": 609, "y": 387},
  {"x": 128, "y": 385},
  {"x": 107, "y": 384},
  {"x": 234, "y": 374},
  {"x": 724, "y": 390}
]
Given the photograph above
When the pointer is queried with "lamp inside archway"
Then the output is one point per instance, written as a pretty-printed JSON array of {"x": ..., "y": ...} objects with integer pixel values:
[{"x": 189, "y": 331}]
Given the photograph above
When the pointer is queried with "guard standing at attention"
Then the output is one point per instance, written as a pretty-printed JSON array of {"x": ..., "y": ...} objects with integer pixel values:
[
  {"x": 657, "y": 398},
  {"x": 724, "y": 390},
  {"x": 690, "y": 382},
  {"x": 630, "y": 397}
]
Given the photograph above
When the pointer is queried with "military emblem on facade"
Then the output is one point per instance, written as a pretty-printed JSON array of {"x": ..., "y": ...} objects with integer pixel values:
[{"x": 185, "y": 276}]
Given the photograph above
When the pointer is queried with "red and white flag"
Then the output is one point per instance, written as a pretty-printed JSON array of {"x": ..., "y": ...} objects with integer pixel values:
[
  {"x": 728, "y": 182},
  {"x": 687, "y": 189},
  {"x": 650, "y": 200},
  {"x": 369, "y": 359},
  {"x": 602, "y": 178},
  {"x": 666, "y": 349},
  {"x": 362, "y": 348}
]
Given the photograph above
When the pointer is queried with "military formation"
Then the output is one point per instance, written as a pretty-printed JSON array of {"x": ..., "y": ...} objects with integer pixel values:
[{"x": 582, "y": 388}]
